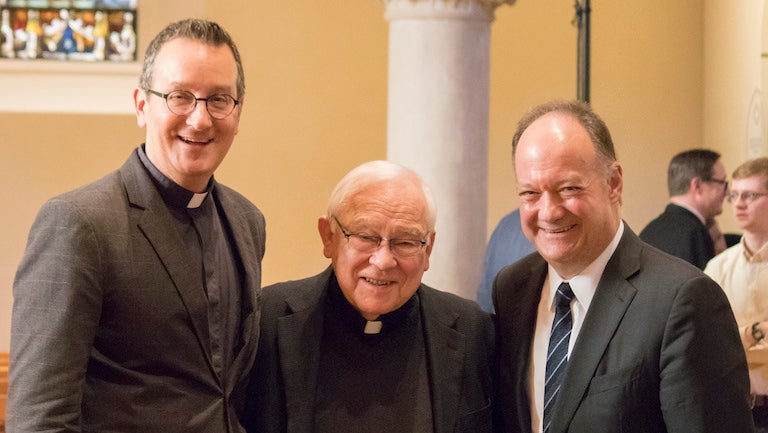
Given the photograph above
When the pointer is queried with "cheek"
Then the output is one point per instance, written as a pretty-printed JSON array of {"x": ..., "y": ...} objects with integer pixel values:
[
  {"x": 348, "y": 263},
  {"x": 528, "y": 218}
]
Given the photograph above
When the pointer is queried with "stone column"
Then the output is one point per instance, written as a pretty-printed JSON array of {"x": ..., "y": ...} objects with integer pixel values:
[{"x": 438, "y": 123}]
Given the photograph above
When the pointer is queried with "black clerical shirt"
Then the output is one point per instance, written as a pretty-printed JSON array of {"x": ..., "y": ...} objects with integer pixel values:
[
  {"x": 200, "y": 221},
  {"x": 372, "y": 382}
]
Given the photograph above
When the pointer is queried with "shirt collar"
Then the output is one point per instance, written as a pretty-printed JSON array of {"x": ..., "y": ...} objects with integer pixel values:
[
  {"x": 760, "y": 255},
  {"x": 171, "y": 192},
  {"x": 585, "y": 284}
]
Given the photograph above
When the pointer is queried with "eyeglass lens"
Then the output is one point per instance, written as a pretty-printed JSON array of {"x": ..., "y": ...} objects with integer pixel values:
[{"x": 181, "y": 103}]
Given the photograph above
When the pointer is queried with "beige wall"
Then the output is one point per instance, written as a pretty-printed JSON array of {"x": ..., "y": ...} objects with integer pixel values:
[{"x": 316, "y": 107}]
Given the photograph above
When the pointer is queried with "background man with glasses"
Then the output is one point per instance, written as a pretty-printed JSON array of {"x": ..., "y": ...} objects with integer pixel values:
[
  {"x": 697, "y": 185},
  {"x": 364, "y": 346},
  {"x": 136, "y": 303},
  {"x": 742, "y": 271}
]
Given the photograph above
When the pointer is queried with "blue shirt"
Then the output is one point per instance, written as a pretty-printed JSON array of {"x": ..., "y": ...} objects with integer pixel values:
[{"x": 508, "y": 244}]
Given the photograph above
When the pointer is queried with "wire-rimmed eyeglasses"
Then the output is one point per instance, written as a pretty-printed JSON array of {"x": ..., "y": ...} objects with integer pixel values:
[
  {"x": 182, "y": 102},
  {"x": 364, "y": 243},
  {"x": 746, "y": 196}
]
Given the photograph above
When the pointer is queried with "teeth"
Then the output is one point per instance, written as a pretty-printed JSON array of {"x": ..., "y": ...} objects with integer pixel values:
[
  {"x": 187, "y": 140},
  {"x": 561, "y": 230},
  {"x": 376, "y": 282}
]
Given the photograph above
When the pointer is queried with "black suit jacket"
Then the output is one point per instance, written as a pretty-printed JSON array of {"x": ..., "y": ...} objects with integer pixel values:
[
  {"x": 460, "y": 350},
  {"x": 110, "y": 326},
  {"x": 679, "y": 232},
  {"x": 658, "y": 351}
]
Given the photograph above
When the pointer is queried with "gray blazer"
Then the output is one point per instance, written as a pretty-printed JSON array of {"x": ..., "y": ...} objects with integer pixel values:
[
  {"x": 659, "y": 350},
  {"x": 110, "y": 327},
  {"x": 460, "y": 351}
]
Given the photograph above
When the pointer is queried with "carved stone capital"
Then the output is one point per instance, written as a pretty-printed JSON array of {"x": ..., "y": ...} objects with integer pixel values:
[{"x": 455, "y": 9}]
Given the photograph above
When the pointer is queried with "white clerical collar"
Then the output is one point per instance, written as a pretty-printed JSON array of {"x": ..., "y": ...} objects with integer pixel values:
[
  {"x": 372, "y": 327},
  {"x": 196, "y": 200}
]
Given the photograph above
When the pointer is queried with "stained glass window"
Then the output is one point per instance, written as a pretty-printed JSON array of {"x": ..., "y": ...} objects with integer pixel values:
[{"x": 76, "y": 30}]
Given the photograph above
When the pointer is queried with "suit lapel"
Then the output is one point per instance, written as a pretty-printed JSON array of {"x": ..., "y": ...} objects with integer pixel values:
[
  {"x": 518, "y": 311},
  {"x": 299, "y": 334},
  {"x": 445, "y": 349},
  {"x": 155, "y": 223},
  {"x": 612, "y": 298}
]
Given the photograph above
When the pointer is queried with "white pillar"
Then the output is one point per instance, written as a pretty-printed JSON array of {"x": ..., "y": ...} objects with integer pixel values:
[{"x": 438, "y": 123}]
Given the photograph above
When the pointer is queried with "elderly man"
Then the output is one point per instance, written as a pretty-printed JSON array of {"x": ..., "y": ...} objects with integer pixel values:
[
  {"x": 742, "y": 271},
  {"x": 365, "y": 346},
  {"x": 697, "y": 184},
  {"x": 599, "y": 332}
]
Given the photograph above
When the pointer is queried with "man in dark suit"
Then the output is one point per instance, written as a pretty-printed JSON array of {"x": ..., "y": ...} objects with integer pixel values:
[
  {"x": 364, "y": 346},
  {"x": 136, "y": 302},
  {"x": 697, "y": 184},
  {"x": 597, "y": 331}
]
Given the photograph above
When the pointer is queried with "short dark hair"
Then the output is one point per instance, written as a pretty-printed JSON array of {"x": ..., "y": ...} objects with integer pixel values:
[
  {"x": 686, "y": 166},
  {"x": 582, "y": 112},
  {"x": 201, "y": 30}
]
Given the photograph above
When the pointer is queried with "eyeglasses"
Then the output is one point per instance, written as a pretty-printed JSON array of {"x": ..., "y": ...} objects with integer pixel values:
[
  {"x": 403, "y": 248},
  {"x": 747, "y": 196},
  {"x": 723, "y": 182},
  {"x": 181, "y": 103}
]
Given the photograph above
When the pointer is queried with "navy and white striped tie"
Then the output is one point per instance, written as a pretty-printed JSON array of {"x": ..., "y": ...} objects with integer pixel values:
[{"x": 557, "y": 353}]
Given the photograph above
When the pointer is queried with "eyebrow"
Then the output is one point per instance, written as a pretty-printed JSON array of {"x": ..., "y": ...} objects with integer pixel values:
[
  {"x": 362, "y": 226},
  {"x": 216, "y": 90}
]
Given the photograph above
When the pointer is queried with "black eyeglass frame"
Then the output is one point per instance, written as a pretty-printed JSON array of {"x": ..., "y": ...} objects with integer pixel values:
[
  {"x": 723, "y": 182},
  {"x": 207, "y": 108}
]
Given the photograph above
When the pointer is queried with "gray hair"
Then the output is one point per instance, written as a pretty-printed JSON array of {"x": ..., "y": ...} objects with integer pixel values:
[
  {"x": 687, "y": 165},
  {"x": 373, "y": 172}
]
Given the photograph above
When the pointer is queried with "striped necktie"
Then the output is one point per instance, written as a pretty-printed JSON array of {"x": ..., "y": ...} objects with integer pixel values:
[{"x": 557, "y": 353}]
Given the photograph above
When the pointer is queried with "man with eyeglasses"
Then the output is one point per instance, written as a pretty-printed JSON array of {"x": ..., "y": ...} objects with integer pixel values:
[
  {"x": 742, "y": 271},
  {"x": 136, "y": 303},
  {"x": 697, "y": 185},
  {"x": 364, "y": 346}
]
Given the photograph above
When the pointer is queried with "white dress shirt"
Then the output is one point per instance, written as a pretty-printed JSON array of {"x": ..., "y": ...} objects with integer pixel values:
[
  {"x": 584, "y": 286},
  {"x": 744, "y": 278}
]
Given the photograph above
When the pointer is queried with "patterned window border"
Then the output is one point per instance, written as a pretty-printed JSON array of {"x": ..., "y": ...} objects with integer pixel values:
[{"x": 69, "y": 30}]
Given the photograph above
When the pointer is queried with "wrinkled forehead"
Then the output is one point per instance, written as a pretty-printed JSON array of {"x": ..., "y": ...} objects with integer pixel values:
[{"x": 395, "y": 204}]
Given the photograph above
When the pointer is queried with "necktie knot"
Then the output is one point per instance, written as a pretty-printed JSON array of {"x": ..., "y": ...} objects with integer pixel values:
[{"x": 564, "y": 295}]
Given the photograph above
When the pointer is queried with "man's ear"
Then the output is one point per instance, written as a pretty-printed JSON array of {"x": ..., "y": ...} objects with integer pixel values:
[
  {"x": 695, "y": 184},
  {"x": 429, "y": 250},
  {"x": 140, "y": 105},
  {"x": 616, "y": 182},
  {"x": 326, "y": 235}
]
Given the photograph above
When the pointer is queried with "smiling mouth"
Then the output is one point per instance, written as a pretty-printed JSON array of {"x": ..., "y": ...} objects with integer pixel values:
[
  {"x": 558, "y": 230},
  {"x": 189, "y": 141},
  {"x": 374, "y": 282}
]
